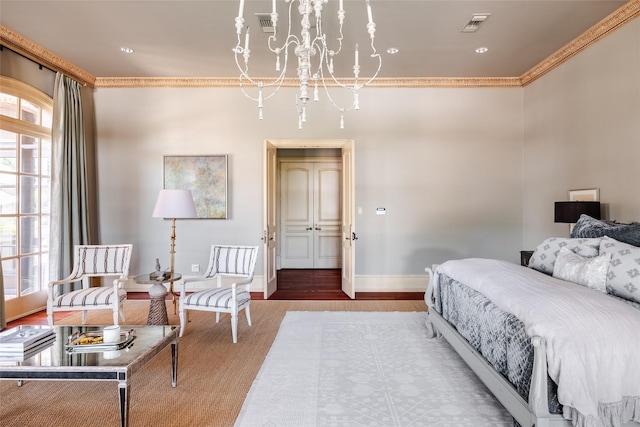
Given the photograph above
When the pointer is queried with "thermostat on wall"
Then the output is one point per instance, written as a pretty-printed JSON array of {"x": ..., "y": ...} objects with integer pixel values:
[{"x": 381, "y": 211}]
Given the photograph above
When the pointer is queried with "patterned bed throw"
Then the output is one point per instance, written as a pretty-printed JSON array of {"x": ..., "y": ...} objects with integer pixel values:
[
  {"x": 592, "y": 339},
  {"x": 497, "y": 335}
]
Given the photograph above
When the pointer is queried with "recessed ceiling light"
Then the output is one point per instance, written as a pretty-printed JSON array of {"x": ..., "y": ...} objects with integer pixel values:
[
  {"x": 393, "y": 50},
  {"x": 482, "y": 50},
  {"x": 126, "y": 49}
]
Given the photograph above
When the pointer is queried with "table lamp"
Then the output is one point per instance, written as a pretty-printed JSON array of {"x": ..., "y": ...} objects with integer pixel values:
[
  {"x": 569, "y": 212},
  {"x": 174, "y": 204}
]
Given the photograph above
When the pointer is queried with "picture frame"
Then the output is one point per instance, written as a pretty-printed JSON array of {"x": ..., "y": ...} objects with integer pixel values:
[
  {"x": 205, "y": 176},
  {"x": 585, "y": 195}
]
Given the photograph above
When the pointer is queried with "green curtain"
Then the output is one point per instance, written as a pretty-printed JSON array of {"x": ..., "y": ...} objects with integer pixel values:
[{"x": 73, "y": 209}]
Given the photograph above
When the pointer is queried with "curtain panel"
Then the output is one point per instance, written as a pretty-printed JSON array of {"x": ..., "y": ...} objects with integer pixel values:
[{"x": 73, "y": 209}]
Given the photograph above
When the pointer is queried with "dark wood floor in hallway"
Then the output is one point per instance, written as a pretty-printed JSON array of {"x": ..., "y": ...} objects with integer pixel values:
[{"x": 308, "y": 284}]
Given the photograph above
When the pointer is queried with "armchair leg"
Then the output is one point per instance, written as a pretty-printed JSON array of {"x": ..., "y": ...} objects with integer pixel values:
[
  {"x": 248, "y": 313},
  {"x": 115, "y": 315},
  {"x": 234, "y": 327},
  {"x": 183, "y": 320},
  {"x": 84, "y": 317},
  {"x": 50, "y": 318}
]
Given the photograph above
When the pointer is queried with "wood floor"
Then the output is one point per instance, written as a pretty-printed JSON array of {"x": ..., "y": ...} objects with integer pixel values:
[
  {"x": 298, "y": 284},
  {"x": 301, "y": 284}
]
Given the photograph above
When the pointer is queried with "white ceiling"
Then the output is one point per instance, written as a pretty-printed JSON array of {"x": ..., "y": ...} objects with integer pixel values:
[{"x": 195, "y": 38}]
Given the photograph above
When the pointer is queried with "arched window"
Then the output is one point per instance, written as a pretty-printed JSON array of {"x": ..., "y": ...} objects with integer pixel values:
[{"x": 25, "y": 182}]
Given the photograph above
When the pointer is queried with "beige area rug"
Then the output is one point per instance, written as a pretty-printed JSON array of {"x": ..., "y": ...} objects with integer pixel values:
[{"x": 214, "y": 375}]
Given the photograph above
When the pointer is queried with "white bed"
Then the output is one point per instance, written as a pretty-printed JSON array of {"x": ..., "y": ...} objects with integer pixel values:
[{"x": 480, "y": 275}]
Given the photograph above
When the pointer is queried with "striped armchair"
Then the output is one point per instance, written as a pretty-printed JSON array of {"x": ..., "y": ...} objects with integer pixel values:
[
  {"x": 234, "y": 261},
  {"x": 89, "y": 261}
]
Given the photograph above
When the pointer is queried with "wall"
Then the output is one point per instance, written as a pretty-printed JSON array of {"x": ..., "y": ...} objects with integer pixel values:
[
  {"x": 582, "y": 130},
  {"x": 445, "y": 163}
]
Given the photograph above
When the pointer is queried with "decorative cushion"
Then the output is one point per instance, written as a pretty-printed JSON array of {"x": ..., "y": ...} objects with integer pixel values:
[
  {"x": 623, "y": 278},
  {"x": 544, "y": 256},
  {"x": 589, "y": 272},
  {"x": 591, "y": 227}
]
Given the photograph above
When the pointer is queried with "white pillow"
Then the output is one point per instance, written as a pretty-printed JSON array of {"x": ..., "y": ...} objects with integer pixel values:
[
  {"x": 623, "y": 278},
  {"x": 544, "y": 257},
  {"x": 589, "y": 272}
]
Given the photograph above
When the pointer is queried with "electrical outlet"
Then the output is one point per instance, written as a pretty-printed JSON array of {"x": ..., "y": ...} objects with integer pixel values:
[{"x": 195, "y": 268}]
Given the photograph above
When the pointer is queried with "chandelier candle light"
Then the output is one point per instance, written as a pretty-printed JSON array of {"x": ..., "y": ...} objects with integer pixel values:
[{"x": 315, "y": 58}]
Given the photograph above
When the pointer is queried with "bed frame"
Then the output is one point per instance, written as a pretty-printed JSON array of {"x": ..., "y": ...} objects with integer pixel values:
[{"x": 535, "y": 412}]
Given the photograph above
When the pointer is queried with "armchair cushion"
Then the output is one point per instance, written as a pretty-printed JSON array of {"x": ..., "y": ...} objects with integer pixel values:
[
  {"x": 218, "y": 297},
  {"x": 89, "y": 297}
]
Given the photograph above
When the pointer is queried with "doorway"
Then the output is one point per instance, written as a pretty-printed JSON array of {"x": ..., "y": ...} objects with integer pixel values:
[
  {"x": 310, "y": 212},
  {"x": 271, "y": 230}
]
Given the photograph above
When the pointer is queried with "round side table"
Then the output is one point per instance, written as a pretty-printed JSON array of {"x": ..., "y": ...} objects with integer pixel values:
[{"x": 157, "y": 295}]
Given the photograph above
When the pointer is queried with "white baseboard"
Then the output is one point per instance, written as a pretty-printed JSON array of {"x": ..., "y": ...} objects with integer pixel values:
[
  {"x": 388, "y": 283},
  {"x": 392, "y": 283}
]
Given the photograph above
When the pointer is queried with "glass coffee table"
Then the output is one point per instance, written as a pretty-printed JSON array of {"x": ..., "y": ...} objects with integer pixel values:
[{"x": 118, "y": 362}]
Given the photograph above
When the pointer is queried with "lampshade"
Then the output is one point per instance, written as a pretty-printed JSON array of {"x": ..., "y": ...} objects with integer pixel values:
[
  {"x": 175, "y": 204},
  {"x": 570, "y": 212}
]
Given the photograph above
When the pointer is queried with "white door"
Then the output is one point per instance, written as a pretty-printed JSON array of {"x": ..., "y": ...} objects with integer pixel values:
[
  {"x": 348, "y": 221},
  {"x": 270, "y": 224},
  {"x": 311, "y": 214}
]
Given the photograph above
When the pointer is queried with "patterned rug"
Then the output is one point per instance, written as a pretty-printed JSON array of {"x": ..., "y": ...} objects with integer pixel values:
[{"x": 365, "y": 369}]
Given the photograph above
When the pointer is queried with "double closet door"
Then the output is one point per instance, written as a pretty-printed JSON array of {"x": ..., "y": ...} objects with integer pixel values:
[{"x": 310, "y": 214}]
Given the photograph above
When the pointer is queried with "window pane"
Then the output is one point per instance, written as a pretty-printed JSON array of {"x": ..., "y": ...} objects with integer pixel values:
[
  {"x": 29, "y": 234},
  {"x": 44, "y": 239},
  {"x": 8, "y": 237},
  {"x": 9, "y": 105},
  {"x": 44, "y": 272},
  {"x": 45, "y": 148},
  {"x": 8, "y": 144},
  {"x": 8, "y": 187},
  {"x": 29, "y": 154},
  {"x": 29, "y": 112},
  {"x": 47, "y": 119},
  {"x": 29, "y": 194},
  {"x": 45, "y": 195},
  {"x": 29, "y": 275},
  {"x": 10, "y": 275}
]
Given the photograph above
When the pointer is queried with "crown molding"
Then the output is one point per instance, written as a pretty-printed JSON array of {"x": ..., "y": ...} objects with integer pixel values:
[
  {"x": 33, "y": 51},
  {"x": 232, "y": 82},
  {"x": 626, "y": 13},
  {"x": 42, "y": 56}
]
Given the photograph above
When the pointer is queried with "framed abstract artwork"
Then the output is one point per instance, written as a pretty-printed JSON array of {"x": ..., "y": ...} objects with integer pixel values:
[{"x": 205, "y": 176}]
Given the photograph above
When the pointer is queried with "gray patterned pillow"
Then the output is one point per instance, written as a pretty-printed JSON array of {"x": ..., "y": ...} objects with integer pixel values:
[
  {"x": 623, "y": 279},
  {"x": 544, "y": 257},
  {"x": 589, "y": 272}
]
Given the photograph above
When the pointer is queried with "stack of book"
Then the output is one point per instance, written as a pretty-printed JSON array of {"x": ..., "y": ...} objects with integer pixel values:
[{"x": 22, "y": 342}]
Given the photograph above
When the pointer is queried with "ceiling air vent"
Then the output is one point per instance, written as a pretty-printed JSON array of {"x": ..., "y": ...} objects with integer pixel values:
[
  {"x": 475, "y": 22},
  {"x": 265, "y": 22}
]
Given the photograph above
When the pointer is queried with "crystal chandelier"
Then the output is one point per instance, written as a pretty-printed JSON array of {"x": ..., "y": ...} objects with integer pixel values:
[{"x": 314, "y": 54}]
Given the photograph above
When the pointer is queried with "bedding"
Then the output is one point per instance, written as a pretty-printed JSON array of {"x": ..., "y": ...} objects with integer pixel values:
[
  {"x": 563, "y": 335},
  {"x": 596, "y": 371}
]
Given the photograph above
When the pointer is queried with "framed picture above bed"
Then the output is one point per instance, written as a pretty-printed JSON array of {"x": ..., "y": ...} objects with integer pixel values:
[
  {"x": 585, "y": 195},
  {"x": 205, "y": 176}
]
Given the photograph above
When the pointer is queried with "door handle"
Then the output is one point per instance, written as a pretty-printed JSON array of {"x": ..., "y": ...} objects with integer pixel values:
[
  {"x": 318, "y": 228},
  {"x": 353, "y": 236},
  {"x": 309, "y": 228}
]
